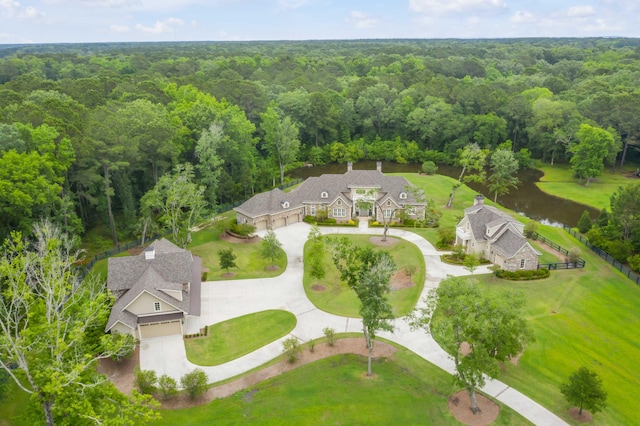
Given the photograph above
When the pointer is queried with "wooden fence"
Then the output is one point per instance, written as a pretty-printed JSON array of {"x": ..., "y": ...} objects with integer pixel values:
[{"x": 579, "y": 263}]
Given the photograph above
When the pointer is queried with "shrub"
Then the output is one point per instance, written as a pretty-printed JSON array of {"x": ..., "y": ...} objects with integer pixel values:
[
  {"x": 195, "y": 383},
  {"x": 429, "y": 167},
  {"x": 634, "y": 262},
  {"x": 312, "y": 345},
  {"x": 145, "y": 381},
  {"x": 291, "y": 348},
  {"x": 168, "y": 386},
  {"x": 530, "y": 228},
  {"x": 329, "y": 333},
  {"x": 205, "y": 275},
  {"x": 523, "y": 275},
  {"x": 242, "y": 229},
  {"x": 446, "y": 237},
  {"x": 585, "y": 223},
  {"x": 457, "y": 252},
  {"x": 574, "y": 254}
]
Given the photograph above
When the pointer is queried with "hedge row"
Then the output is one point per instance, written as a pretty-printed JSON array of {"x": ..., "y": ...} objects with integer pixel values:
[{"x": 523, "y": 275}]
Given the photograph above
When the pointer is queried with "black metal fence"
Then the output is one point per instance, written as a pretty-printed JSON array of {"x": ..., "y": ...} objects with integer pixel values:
[
  {"x": 579, "y": 263},
  {"x": 606, "y": 256},
  {"x": 112, "y": 252}
]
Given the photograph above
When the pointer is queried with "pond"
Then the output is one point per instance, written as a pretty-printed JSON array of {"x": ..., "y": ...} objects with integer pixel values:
[{"x": 528, "y": 200}]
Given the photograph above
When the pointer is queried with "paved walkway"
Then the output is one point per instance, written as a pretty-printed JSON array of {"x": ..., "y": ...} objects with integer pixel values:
[{"x": 223, "y": 300}]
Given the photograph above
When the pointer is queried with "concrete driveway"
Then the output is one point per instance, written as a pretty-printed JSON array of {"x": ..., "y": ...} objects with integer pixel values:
[{"x": 223, "y": 300}]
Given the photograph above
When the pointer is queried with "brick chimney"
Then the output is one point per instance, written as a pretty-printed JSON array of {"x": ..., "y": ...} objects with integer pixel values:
[
  {"x": 379, "y": 166},
  {"x": 478, "y": 199},
  {"x": 349, "y": 166}
]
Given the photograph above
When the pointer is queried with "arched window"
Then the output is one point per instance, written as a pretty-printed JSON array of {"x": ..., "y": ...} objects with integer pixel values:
[
  {"x": 324, "y": 194},
  {"x": 285, "y": 204},
  {"x": 403, "y": 195}
]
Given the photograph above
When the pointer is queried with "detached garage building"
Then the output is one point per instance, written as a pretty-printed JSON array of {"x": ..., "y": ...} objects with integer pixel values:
[{"x": 157, "y": 292}]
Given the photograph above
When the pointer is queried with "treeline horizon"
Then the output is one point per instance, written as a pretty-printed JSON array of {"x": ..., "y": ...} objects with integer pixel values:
[{"x": 87, "y": 129}]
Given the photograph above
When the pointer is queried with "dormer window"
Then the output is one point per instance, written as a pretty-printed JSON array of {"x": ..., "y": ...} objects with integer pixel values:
[
  {"x": 324, "y": 194},
  {"x": 403, "y": 195},
  {"x": 285, "y": 204}
]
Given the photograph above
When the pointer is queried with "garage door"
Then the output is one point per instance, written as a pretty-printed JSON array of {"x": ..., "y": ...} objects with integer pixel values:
[
  {"x": 159, "y": 329},
  {"x": 260, "y": 225},
  {"x": 292, "y": 219},
  {"x": 278, "y": 223}
]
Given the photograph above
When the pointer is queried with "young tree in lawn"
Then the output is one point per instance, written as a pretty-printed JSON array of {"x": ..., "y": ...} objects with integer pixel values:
[
  {"x": 584, "y": 389},
  {"x": 375, "y": 309},
  {"x": 493, "y": 326},
  {"x": 471, "y": 158},
  {"x": 46, "y": 313},
  {"x": 504, "y": 166},
  {"x": 271, "y": 247},
  {"x": 367, "y": 272},
  {"x": 410, "y": 270},
  {"x": 281, "y": 138},
  {"x": 471, "y": 263},
  {"x": 316, "y": 253},
  {"x": 594, "y": 145},
  {"x": 227, "y": 259},
  {"x": 178, "y": 200}
]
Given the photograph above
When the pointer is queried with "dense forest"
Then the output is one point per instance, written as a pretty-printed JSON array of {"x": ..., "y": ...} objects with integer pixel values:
[{"x": 89, "y": 131}]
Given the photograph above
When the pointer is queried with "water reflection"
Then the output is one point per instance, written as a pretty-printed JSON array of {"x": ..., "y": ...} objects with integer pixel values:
[{"x": 528, "y": 200}]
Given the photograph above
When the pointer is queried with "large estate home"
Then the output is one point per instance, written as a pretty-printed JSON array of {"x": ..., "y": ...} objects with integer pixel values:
[
  {"x": 157, "y": 292},
  {"x": 354, "y": 194},
  {"x": 486, "y": 231}
]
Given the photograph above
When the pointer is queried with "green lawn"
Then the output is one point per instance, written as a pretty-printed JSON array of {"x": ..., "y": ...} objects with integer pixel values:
[
  {"x": 207, "y": 242},
  {"x": 406, "y": 390},
  {"x": 558, "y": 180},
  {"x": 546, "y": 256},
  {"x": 239, "y": 336},
  {"x": 337, "y": 298},
  {"x": 13, "y": 406},
  {"x": 586, "y": 317}
]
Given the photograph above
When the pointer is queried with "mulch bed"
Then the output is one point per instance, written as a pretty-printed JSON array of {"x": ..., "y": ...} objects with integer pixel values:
[
  {"x": 460, "y": 408},
  {"x": 232, "y": 239},
  {"x": 379, "y": 241},
  {"x": 585, "y": 417}
]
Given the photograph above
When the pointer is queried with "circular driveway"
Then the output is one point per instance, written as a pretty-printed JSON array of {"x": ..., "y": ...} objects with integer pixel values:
[{"x": 223, "y": 300}]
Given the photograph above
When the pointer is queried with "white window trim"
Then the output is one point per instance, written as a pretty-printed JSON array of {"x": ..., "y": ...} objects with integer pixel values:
[
  {"x": 403, "y": 195},
  {"x": 339, "y": 212},
  {"x": 285, "y": 204},
  {"x": 522, "y": 263},
  {"x": 324, "y": 194},
  {"x": 157, "y": 307},
  {"x": 312, "y": 210},
  {"x": 387, "y": 212}
]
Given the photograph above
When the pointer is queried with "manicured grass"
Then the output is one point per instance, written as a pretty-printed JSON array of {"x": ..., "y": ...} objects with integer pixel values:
[
  {"x": 586, "y": 317},
  {"x": 13, "y": 406},
  {"x": 546, "y": 256},
  {"x": 406, "y": 390},
  {"x": 239, "y": 336},
  {"x": 558, "y": 180},
  {"x": 437, "y": 188},
  {"x": 337, "y": 298},
  {"x": 207, "y": 242}
]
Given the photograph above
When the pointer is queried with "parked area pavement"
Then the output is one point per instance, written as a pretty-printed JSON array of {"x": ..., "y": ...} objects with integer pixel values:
[{"x": 223, "y": 300}]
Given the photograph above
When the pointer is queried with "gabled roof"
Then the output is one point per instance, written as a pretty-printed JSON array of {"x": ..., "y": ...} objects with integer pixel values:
[
  {"x": 171, "y": 268},
  {"x": 482, "y": 216},
  {"x": 509, "y": 243},
  {"x": 335, "y": 185}
]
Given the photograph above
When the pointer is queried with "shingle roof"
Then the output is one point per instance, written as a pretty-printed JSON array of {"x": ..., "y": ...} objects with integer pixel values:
[
  {"x": 170, "y": 268},
  {"x": 309, "y": 192},
  {"x": 480, "y": 216},
  {"x": 509, "y": 243}
]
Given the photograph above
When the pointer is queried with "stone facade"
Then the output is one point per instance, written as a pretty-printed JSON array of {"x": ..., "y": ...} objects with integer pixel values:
[
  {"x": 495, "y": 236},
  {"x": 355, "y": 194}
]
